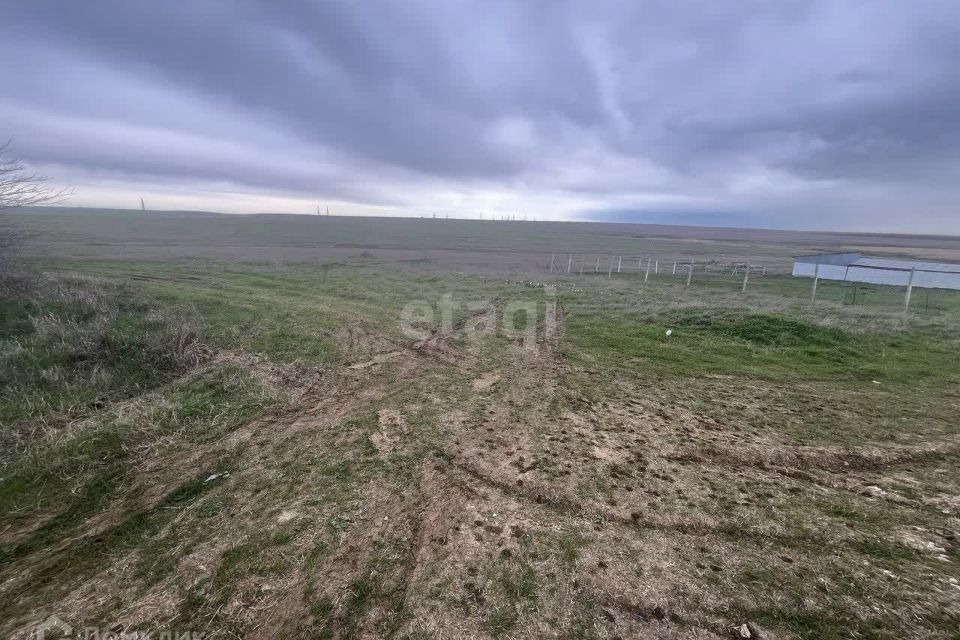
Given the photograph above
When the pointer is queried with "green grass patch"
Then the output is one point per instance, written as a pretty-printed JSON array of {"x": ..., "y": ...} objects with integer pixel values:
[
  {"x": 515, "y": 589},
  {"x": 570, "y": 545},
  {"x": 70, "y": 346},
  {"x": 759, "y": 329},
  {"x": 826, "y": 625},
  {"x": 85, "y": 555},
  {"x": 95, "y": 454},
  {"x": 759, "y": 345}
]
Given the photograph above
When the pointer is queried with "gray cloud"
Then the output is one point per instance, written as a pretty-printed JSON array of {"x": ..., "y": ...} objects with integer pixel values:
[{"x": 774, "y": 110}]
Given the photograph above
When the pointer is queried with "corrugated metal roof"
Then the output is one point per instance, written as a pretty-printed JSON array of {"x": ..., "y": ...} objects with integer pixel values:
[
  {"x": 811, "y": 257},
  {"x": 907, "y": 265},
  {"x": 844, "y": 258},
  {"x": 855, "y": 267},
  {"x": 854, "y": 258}
]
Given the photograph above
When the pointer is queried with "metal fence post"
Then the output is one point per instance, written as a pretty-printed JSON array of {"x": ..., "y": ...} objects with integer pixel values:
[
  {"x": 816, "y": 279},
  {"x": 906, "y": 304}
]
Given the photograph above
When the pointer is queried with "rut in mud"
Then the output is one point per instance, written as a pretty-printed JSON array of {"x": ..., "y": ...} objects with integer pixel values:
[{"x": 427, "y": 488}]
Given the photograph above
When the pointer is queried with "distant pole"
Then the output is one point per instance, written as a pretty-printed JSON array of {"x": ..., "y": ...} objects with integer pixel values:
[
  {"x": 552, "y": 256},
  {"x": 639, "y": 264},
  {"x": 596, "y": 269},
  {"x": 610, "y": 268},
  {"x": 646, "y": 276},
  {"x": 143, "y": 207},
  {"x": 906, "y": 304},
  {"x": 674, "y": 267},
  {"x": 656, "y": 266},
  {"x": 619, "y": 263},
  {"x": 816, "y": 280},
  {"x": 690, "y": 273},
  {"x": 569, "y": 262},
  {"x": 746, "y": 278},
  {"x": 581, "y": 265}
]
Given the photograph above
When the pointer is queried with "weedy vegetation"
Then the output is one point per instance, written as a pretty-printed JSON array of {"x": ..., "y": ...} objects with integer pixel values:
[{"x": 256, "y": 449}]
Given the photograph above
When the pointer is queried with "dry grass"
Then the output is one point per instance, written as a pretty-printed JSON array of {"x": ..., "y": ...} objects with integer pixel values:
[{"x": 598, "y": 483}]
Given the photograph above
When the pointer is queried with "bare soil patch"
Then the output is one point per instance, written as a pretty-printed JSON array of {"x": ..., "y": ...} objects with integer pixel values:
[{"x": 536, "y": 512}]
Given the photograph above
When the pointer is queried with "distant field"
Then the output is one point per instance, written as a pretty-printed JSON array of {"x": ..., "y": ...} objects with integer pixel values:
[
  {"x": 465, "y": 245},
  {"x": 218, "y": 423}
]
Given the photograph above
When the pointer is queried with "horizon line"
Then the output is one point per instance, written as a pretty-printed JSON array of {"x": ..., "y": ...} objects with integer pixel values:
[{"x": 495, "y": 219}]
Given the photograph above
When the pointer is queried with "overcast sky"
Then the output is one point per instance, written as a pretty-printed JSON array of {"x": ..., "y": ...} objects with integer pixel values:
[{"x": 830, "y": 114}]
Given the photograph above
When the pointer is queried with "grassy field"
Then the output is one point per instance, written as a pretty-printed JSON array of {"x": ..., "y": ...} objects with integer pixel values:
[
  {"x": 229, "y": 432},
  {"x": 515, "y": 249}
]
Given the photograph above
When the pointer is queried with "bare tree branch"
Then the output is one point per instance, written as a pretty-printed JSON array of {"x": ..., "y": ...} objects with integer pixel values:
[{"x": 20, "y": 188}]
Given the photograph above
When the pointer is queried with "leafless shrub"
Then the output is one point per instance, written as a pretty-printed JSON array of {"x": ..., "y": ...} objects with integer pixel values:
[{"x": 19, "y": 187}]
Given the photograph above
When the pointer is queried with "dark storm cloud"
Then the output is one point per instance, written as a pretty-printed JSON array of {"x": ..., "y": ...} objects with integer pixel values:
[
  {"x": 373, "y": 80},
  {"x": 565, "y": 106}
]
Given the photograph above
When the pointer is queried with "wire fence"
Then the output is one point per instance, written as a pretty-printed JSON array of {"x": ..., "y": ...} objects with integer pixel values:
[
  {"x": 655, "y": 267},
  {"x": 742, "y": 275}
]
